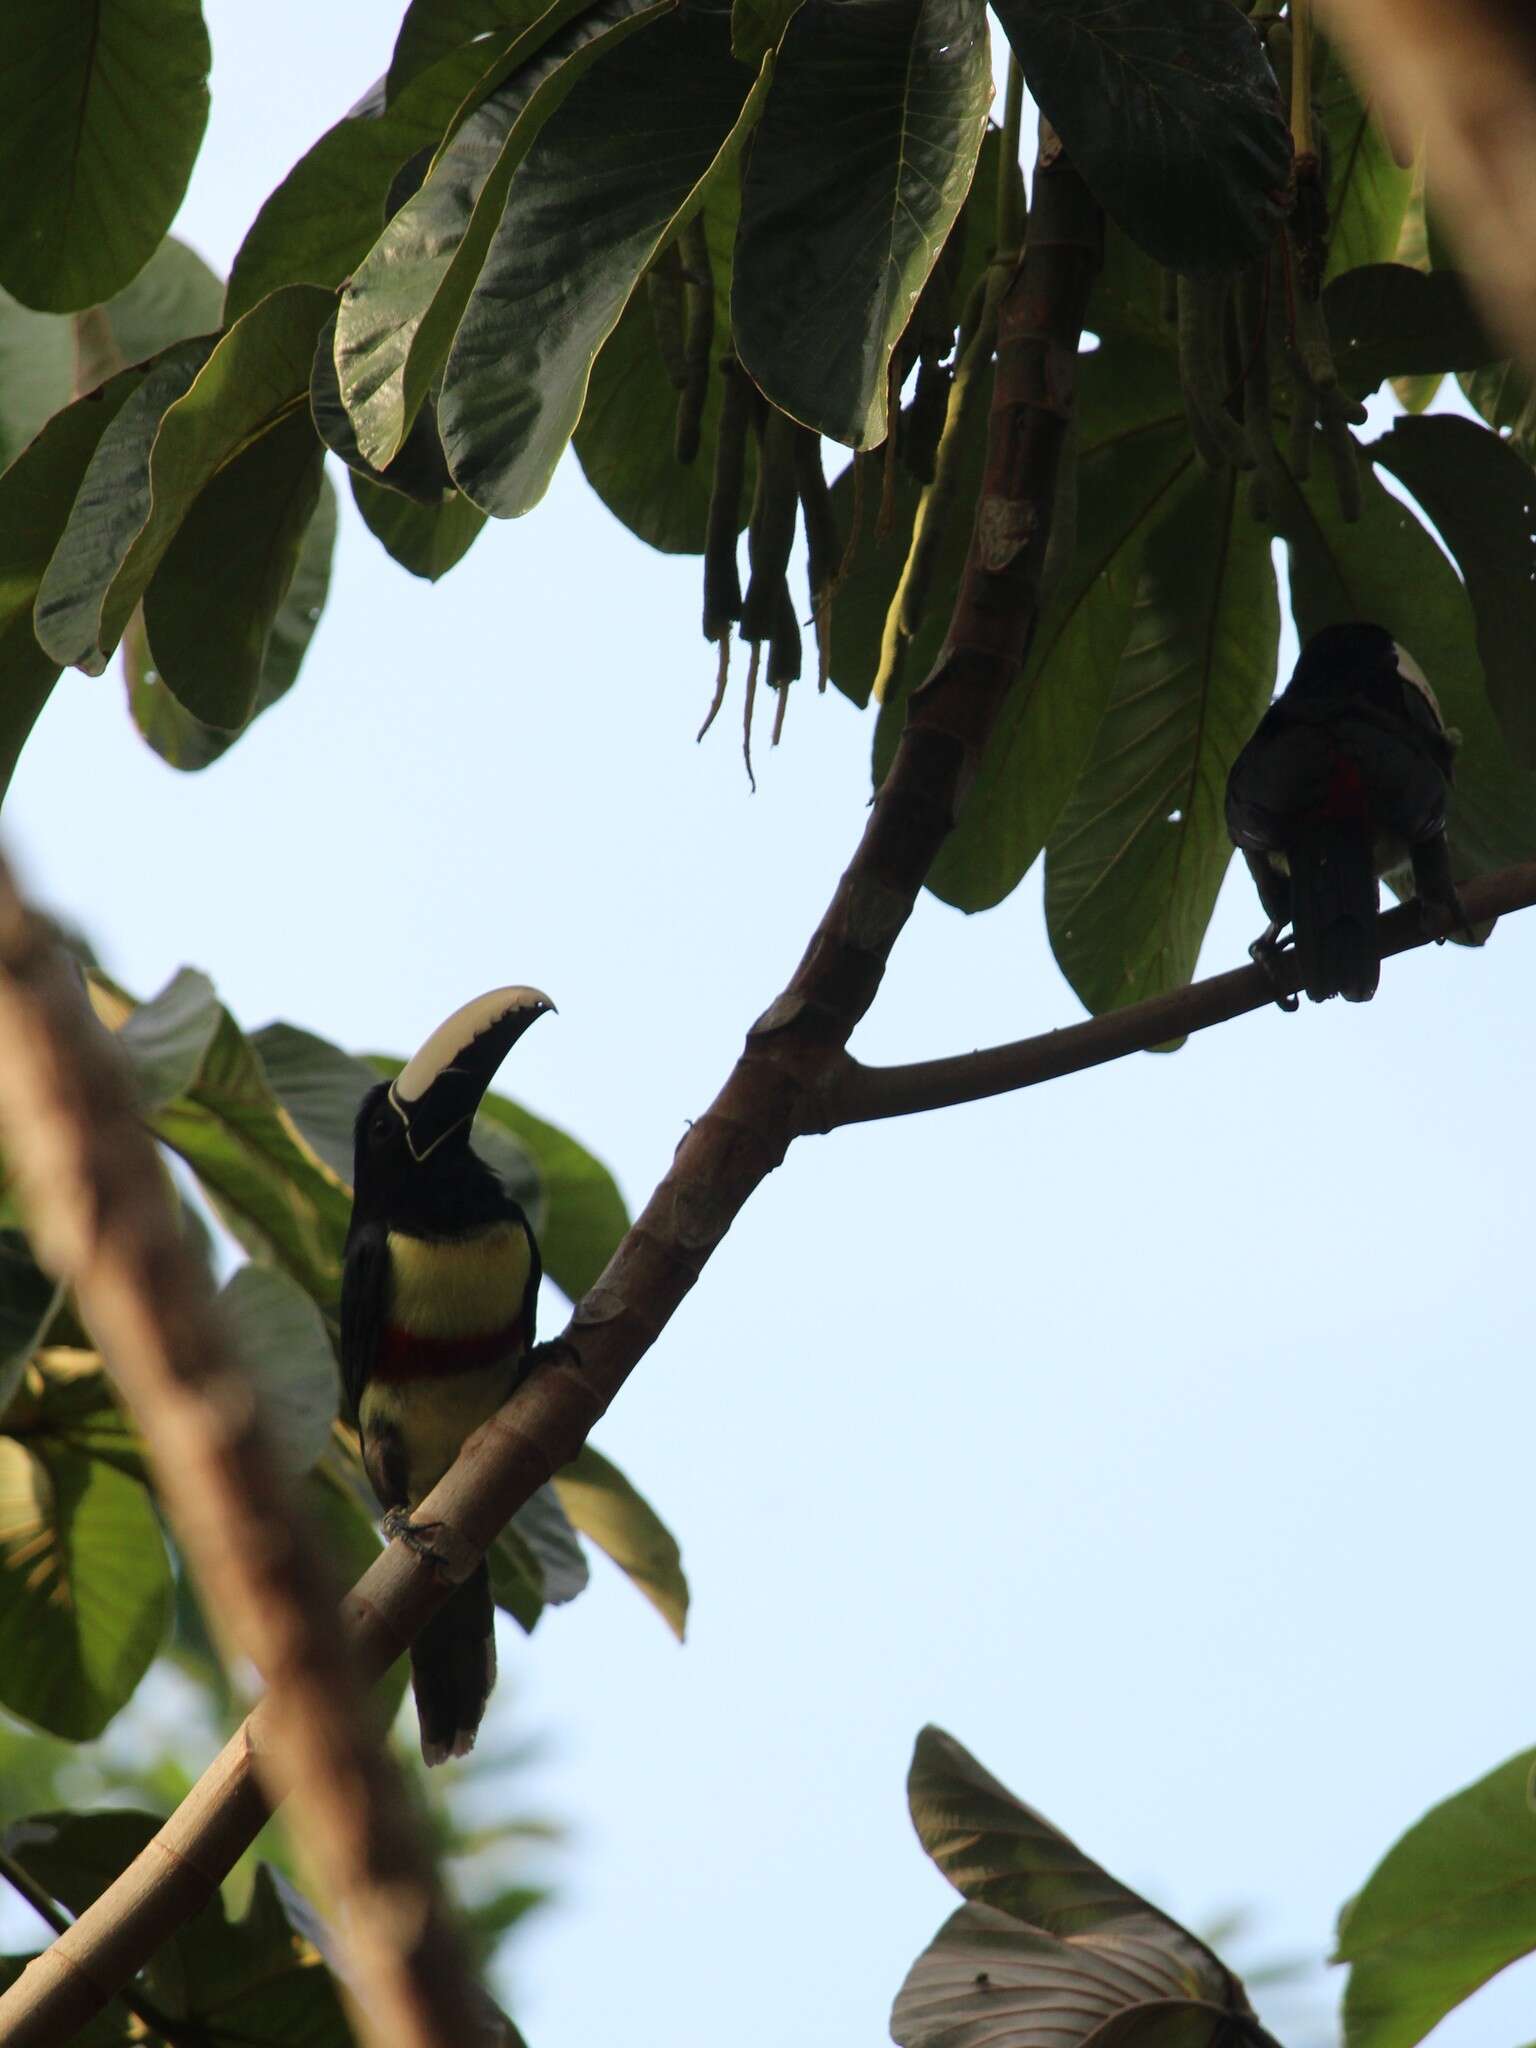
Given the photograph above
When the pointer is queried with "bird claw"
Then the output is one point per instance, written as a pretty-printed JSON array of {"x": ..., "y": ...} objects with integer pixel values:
[
  {"x": 1265, "y": 954},
  {"x": 399, "y": 1528}
]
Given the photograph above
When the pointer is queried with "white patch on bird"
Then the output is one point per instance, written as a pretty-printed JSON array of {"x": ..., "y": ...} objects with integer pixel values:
[
  {"x": 1410, "y": 672},
  {"x": 451, "y": 1037}
]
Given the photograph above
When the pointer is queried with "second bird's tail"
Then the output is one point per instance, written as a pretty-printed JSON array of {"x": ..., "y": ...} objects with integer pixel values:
[
  {"x": 1334, "y": 901},
  {"x": 453, "y": 1667}
]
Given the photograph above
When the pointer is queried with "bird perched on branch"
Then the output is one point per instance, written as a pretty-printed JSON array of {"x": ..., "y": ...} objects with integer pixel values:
[
  {"x": 439, "y": 1289},
  {"x": 1346, "y": 778}
]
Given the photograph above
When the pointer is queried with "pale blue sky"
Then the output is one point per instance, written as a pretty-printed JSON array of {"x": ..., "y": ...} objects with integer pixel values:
[{"x": 1163, "y": 1433}]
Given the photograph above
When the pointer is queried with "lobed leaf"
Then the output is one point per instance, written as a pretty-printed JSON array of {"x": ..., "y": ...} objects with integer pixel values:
[
  {"x": 603, "y": 1505},
  {"x": 1388, "y": 320},
  {"x": 1170, "y": 111},
  {"x": 860, "y": 165},
  {"x": 1450, "y": 1904},
  {"x": 197, "y": 409},
  {"x": 427, "y": 540},
  {"x": 85, "y": 1586},
  {"x": 609, "y": 175},
  {"x": 36, "y": 496},
  {"x": 1137, "y": 857},
  {"x": 400, "y": 311},
  {"x": 102, "y": 110},
  {"x": 1481, "y": 497},
  {"x": 1051, "y": 1950}
]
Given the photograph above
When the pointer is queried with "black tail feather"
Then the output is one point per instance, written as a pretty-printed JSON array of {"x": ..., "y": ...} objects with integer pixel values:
[
  {"x": 1334, "y": 901},
  {"x": 453, "y": 1667}
]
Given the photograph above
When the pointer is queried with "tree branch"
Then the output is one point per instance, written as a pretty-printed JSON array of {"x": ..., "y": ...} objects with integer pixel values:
[
  {"x": 1464, "y": 77},
  {"x": 859, "y": 1094},
  {"x": 748, "y": 1128},
  {"x": 101, "y": 1218}
]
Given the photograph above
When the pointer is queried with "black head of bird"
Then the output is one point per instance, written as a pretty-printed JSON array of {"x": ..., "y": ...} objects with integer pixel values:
[
  {"x": 412, "y": 1152},
  {"x": 1346, "y": 778},
  {"x": 439, "y": 1297}
]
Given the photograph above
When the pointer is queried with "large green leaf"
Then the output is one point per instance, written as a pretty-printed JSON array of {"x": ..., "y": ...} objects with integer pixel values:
[
  {"x": 428, "y": 540},
  {"x": 987, "y": 1982},
  {"x": 860, "y": 165},
  {"x": 175, "y": 734},
  {"x": 1051, "y": 1947},
  {"x": 1386, "y": 567},
  {"x": 435, "y": 29},
  {"x": 326, "y": 214},
  {"x": 253, "y": 1982},
  {"x": 271, "y": 1189},
  {"x": 1137, "y": 857},
  {"x": 167, "y": 1039},
  {"x": 213, "y": 606},
  {"x": 544, "y": 1526},
  {"x": 626, "y": 440},
  {"x": 1449, "y": 1904},
  {"x": 584, "y": 1215},
  {"x": 1368, "y": 191},
  {"x": 152, "y": 465},
  {"x": 280, "y": 1337},
  {"x": 401, "y": 309},
  {"x": 1387, "y": 320},
  {"x": 102, "y": 108},
  {"x": 36, "y": 494},
  {"x": 85, "y": 1586},
  {"x": 1502, "y": 393},
  {"x": 1481, "y": 496},
  {"x": 1169, "y": 110},
  {"x": 173, "y": 296},
  {"x": 1133, "y": 452},
  {"x": 624, "y": 158},
  {"x": 602, "y": 1504},
  {"x": 28, "y": 1299}
]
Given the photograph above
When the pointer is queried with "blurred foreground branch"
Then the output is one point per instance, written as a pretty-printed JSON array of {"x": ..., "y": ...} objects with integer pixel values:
[
  {"x": 102, "y": 1217},
  {"x": 1463, "y": 74}
]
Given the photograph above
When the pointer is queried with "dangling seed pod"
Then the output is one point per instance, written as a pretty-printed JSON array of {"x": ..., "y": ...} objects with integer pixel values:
[
  {"x": 664, "y": 295},
  {"x": 767, "y": 610},
  {"x": 698, "y": 336},
  {"x": 722, "y": 580},
  {"x": 823, "y": 553},
  {"x": 1218, "y": 438}
]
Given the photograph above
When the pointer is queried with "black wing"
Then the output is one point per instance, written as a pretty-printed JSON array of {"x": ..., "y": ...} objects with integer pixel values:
[
  {"x": 364, "y": 1281},
  {"x": 530, "y": 1314}
]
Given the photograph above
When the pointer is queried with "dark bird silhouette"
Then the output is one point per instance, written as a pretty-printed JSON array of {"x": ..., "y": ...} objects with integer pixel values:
[
  {"x": 1346, "y": 778},
  {"x": 439, "y": 1291}
]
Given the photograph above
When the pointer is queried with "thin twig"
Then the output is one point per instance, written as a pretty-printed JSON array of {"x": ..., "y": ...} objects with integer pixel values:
[
  {"x": 101, "y": 1219},
  {"x": 729, "y": 1150},
  {"x": 859, "y": 1094}
]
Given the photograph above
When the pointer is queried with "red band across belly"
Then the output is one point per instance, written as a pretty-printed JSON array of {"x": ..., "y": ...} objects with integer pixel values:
[{"x": 406, "y": 1355}]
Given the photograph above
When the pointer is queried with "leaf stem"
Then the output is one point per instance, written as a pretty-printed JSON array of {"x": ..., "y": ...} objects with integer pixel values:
[
  {"x": 1301, "y": 77},
  {"x": 1009, "y": 227}
]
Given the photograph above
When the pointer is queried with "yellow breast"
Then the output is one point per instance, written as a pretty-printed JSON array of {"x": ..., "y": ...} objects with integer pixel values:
[
  {"x": 431, "y": 1418},
  {"x": 458, "y": 1288}
]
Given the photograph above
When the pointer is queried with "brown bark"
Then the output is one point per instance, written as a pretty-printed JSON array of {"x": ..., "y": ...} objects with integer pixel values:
[{"x": 102, "y": 1218}]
